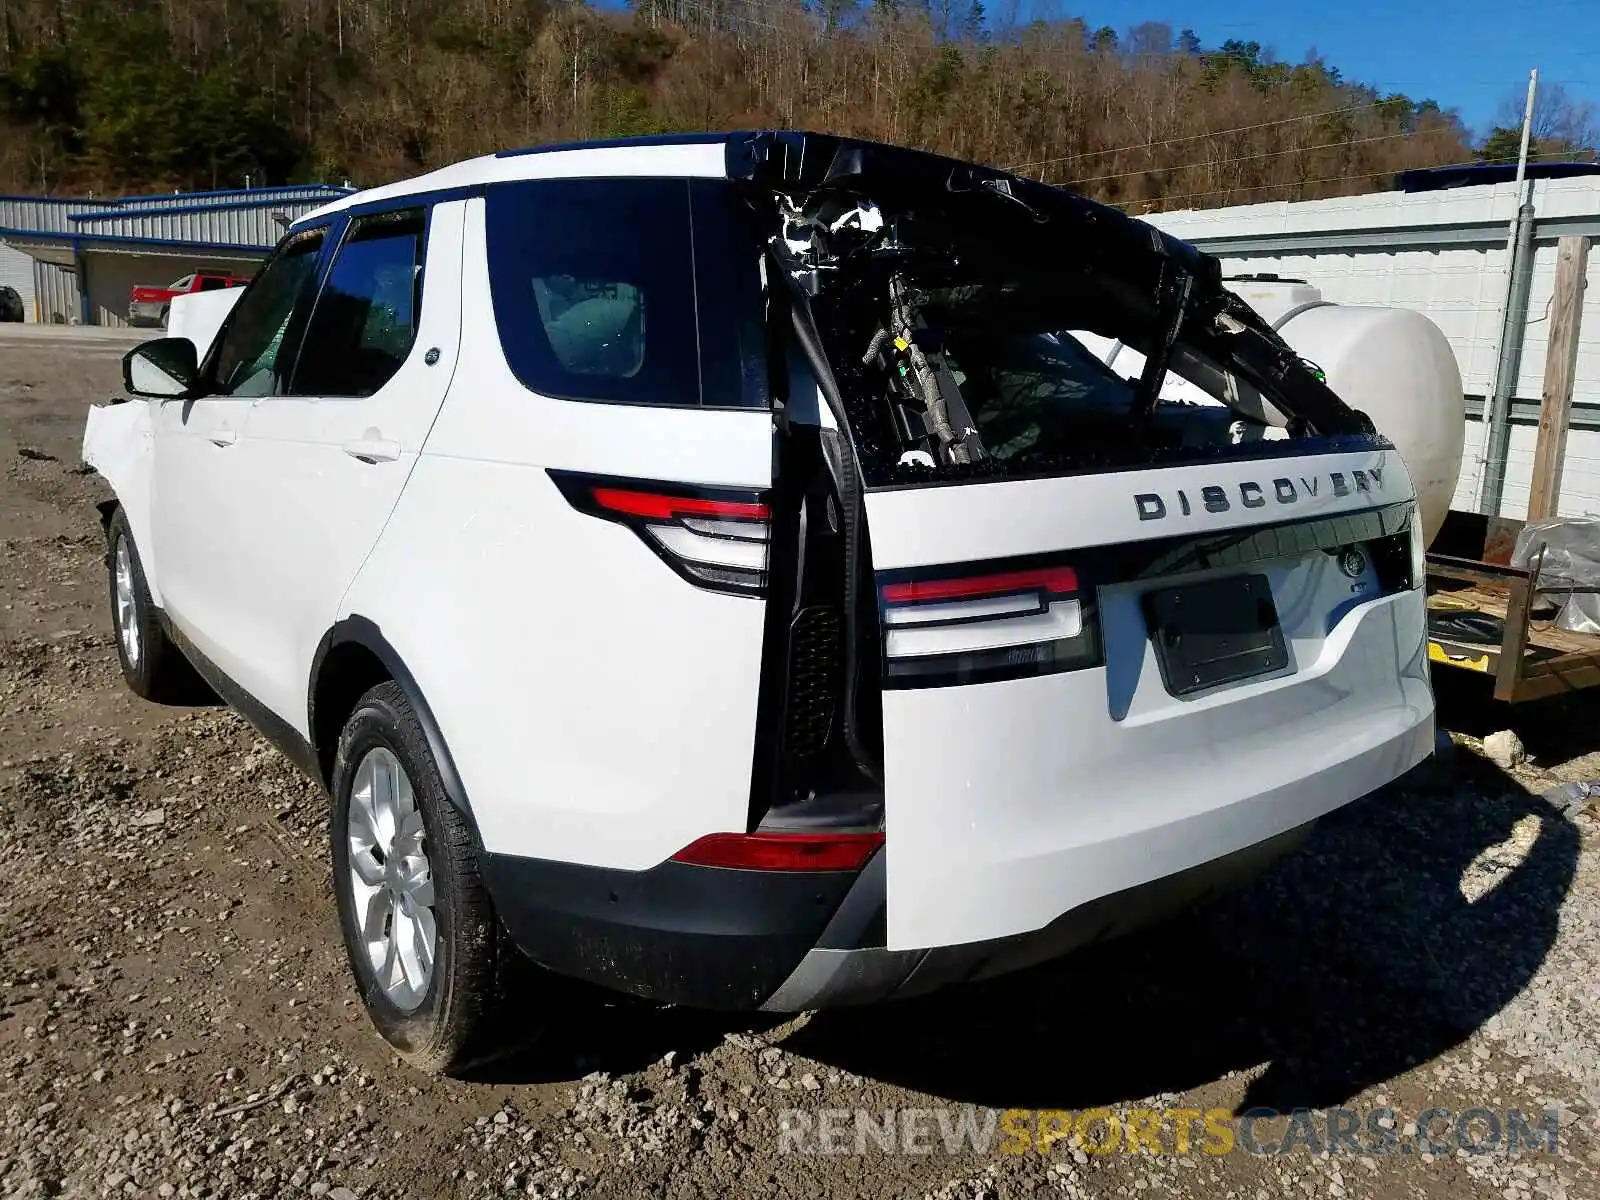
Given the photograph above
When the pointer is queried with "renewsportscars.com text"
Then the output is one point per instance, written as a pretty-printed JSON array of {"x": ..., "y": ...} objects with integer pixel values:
[{"x": 1216, "y": 1131}]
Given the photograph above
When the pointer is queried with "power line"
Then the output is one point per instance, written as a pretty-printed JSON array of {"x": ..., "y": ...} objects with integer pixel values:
[
  {"x": 1222, "y": 162},
  {"x": 1190, "y": 137},
  {"x": 1353, "y": 108}
]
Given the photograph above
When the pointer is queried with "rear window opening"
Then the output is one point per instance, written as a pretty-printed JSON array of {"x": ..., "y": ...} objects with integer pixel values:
[{"x": 967, "y": 348}]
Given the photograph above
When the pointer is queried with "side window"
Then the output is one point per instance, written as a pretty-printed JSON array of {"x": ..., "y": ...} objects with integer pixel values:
[
  {"x": 365, "y": 319},
  {"x": 210, "y": 283},
  {"x": 621, "y": 290},
  {"x": 245, "y": 362}
]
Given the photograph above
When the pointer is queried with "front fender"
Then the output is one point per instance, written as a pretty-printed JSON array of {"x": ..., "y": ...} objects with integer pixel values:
[{"x": 119, "y": 443}]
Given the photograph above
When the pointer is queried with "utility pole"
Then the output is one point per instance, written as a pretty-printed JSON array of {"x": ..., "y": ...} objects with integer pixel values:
[{"x": 1497, "y": 411}]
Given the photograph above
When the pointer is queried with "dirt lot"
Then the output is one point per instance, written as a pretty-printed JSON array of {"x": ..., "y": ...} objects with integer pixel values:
[{"x": 176, "y": 1018}]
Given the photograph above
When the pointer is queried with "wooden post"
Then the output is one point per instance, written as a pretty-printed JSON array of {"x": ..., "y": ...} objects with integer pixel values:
[{"x": 1560, "y": 363}]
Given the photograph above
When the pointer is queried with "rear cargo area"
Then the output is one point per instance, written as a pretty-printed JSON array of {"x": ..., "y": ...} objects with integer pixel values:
[{"x": 1119, "y": 622}]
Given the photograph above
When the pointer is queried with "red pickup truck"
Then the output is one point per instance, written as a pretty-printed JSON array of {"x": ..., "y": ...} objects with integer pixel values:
[{"x": 148, "y": 305}]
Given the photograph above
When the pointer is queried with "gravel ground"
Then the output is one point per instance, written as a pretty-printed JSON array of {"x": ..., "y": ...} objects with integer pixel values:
[{"x": 176, "y": 1017}]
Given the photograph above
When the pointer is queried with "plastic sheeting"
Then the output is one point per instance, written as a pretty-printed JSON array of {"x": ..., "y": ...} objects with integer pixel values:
[{"x": 1571, "y": 560}]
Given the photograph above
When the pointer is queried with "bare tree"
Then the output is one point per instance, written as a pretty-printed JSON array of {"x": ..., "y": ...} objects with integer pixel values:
[{"x": 1561, "y": 121}]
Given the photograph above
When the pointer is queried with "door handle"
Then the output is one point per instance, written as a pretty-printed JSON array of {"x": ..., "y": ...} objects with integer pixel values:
[
  {"x": 372, "y": 450},
  {"x": 222, "y": 437}
]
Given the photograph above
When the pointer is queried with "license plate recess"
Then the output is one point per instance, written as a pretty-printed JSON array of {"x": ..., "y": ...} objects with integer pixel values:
[{"x": 1214, "y": 632}]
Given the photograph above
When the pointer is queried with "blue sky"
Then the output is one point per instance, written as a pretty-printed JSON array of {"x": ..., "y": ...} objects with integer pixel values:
[{"x": 1466, "y": 54}]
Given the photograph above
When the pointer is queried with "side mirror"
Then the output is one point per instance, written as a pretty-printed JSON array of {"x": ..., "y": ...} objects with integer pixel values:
[{"x": 165, "y": 369}]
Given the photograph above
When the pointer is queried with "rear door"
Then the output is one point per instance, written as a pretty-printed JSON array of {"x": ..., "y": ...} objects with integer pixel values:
[{"x": 583, "y": 541}]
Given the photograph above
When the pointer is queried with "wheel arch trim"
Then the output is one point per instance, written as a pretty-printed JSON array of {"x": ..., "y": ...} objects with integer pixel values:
[{"x": 364, "y": 632}]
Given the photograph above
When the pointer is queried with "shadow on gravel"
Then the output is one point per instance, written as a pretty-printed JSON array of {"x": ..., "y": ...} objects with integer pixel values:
[
  {"x": 586, "y": 1029},
  {"x": 1352, "y": 960}
]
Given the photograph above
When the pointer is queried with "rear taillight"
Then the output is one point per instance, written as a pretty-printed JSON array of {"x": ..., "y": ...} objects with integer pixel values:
[
  {"x": 782, "y": 851},
  {"x": 1419, "y": 550},
  {"x": 1399, "y": 550},
  {"x": 715, "y": 538},
  {"x": 970, "y": 626}
]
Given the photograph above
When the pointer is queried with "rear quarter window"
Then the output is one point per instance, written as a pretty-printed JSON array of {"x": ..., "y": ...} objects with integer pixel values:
[{"x": 628, "y": 291}]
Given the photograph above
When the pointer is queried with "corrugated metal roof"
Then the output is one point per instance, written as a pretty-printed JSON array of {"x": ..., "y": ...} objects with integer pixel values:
[
  {"x": 1435, "y": 179},
  {"x": 63, "y": 248},
  {"x": 233, "y": 218},
  {"x": 39, "y": 212},
  {"x": 232, "y": 223},
  {"x": 268, "y": 195}
]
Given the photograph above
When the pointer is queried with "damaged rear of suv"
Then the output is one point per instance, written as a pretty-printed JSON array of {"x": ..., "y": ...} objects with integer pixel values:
[
  {"x": 1106, "y": 648},
  {"x": 757, "y": 584}
]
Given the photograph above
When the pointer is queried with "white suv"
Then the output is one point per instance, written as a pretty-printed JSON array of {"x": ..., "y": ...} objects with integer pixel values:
[{"x": 723, "y": 564}]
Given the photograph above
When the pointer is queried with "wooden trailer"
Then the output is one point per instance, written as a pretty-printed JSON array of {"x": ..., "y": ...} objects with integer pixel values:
[{"x": 1487, "y": 616}]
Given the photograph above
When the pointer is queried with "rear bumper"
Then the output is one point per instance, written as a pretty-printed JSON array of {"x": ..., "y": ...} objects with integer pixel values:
[
  {"x": 707, "y": 937},
  {"x": 832, "y": 977},
  {"x": 145, "y": 312},
  {"x": 1204, "y": 853},
  {"x": 787, "y": 942}
]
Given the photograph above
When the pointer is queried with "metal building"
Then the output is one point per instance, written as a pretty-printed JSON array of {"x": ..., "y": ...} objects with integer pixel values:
[
  {"x": 1444, "y": 254},
  {"x": 76, "y": 260}
]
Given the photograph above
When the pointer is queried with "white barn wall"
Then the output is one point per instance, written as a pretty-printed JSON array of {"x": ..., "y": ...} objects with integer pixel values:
[
  {"x": 1466, "y": 497},
  {"x": 1580, "y": 474}
]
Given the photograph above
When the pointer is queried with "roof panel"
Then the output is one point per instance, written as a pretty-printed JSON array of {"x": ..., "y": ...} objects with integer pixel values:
[{"x": 685, "y": 158}]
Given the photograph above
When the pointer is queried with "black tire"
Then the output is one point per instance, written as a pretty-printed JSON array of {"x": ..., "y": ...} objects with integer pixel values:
[
  {"x": 165, "y": 310},
  {"x": 451, "y": 1026},
  {"x": 154, "y": 668}
]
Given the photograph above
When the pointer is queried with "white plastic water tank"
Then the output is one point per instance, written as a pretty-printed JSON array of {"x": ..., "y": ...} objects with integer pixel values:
[{"x": 1397, "y": 367}]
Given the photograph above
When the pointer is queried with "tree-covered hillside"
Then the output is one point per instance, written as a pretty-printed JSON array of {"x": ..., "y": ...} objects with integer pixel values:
[{"x": 147, "y": 94}]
